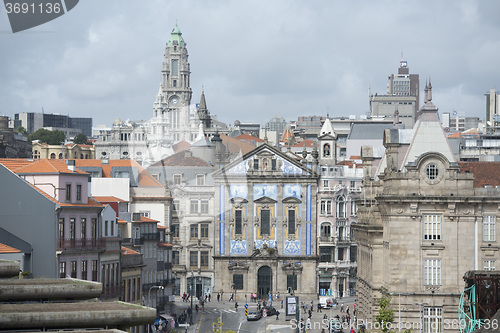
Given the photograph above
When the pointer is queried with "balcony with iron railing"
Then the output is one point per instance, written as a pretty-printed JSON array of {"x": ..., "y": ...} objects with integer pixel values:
[
  {"x": 74, "y": 244},
  {"x": 326, "y": 239}
]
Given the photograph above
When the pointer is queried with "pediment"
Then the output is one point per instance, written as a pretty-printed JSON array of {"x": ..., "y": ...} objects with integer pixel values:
[
  {"x": 238, "y": 200},
  {"x": 265, "y": 200},
  {"x": 292, "y": 200}
]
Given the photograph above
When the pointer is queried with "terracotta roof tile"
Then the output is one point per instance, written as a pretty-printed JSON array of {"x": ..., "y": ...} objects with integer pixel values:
[
  {"x": 127, "y": 251},
  {"x": 160, "y": 227},
  {"x": 180, "y": 146},
  {"x": 8, "y": 249},
  {"x": 309, "y": 143},
  {"x": 39, "y": 166},
  {"x": 108, "y": 199},
  {"x": 485, "y": 173},
  {"x": 121, "y": 221},
  {"x": 235, "y": 146},
  {"x": 145, "y": 219},
  {"x": 247, "y": 137},
  {"x": 165, "y": 244},
  {"x": 145, "y": 178}
]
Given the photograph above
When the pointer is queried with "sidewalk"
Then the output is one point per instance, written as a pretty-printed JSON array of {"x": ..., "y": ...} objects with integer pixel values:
[{"x": 283, "y": 326}]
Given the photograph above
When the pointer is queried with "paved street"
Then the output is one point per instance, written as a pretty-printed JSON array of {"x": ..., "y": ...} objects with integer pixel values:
[{"x": 236, "y": 320}]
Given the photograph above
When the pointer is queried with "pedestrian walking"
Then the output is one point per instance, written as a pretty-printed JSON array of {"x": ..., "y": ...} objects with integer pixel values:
[
  {"x": 218, "y": 297},
  {"x": 342, "y": 308},
  {"x": 236, "y": 306},
  {"x": 319, "y": 307},
  {"x": 231, "y": 297},
  {"x": 277, "y": 314}
]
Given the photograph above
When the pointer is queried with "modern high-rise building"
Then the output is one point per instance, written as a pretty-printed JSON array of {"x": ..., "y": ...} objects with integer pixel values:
[
  {"x": 33, "y": 121},
  {"x": 402, "y": 95},
  {"x": 492, "y": 110}
]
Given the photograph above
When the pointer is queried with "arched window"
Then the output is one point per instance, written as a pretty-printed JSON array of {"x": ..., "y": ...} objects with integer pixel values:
[
  {"x": 60, "y": 156},
  {"x": 341, "y": 204},
  {"x": 326, "y": 231},
  {"x": 52, "y": 156}
]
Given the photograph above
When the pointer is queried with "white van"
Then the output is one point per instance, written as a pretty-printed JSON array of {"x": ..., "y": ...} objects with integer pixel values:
[{"x": 327, "y": 302}]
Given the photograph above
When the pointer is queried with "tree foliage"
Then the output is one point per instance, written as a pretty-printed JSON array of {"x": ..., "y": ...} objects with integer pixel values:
[
  {"x": 385, "y": 313},
  {"x": 21, "y": 130},
  {"x": 50, "y": 137},
  {"x": 80, "y": 139}
]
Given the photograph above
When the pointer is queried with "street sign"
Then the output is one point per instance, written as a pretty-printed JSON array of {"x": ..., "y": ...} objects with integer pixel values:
[
  {"x": 184, "y": 325},
  {"x": 246, "y": 306},
  {"x": 264, "y": 313}
]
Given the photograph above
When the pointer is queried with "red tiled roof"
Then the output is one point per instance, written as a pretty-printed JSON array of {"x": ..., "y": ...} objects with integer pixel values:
[
  {"x": 485, "y": 173},
  {"x": 8, "y": 249},
  {"x": 126, "y": 251},
  {"x": 308, "y": 143},
  {"x": 121, "y": 221},
  {"x": 38, "y": 166},
  {"x": 108, "y": 199},
  {"x": 160, "y": 227},
  {"x": 180, "y": 146},
  {"x": 235, "y": 146},
  {"x": 145, "y": 178},
  {"x": 165, "y": 244},
  {"x": 145, "y": 219}
]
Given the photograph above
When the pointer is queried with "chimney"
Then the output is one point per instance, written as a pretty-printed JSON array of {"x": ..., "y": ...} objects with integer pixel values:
[{"x": 71, "y": 165}]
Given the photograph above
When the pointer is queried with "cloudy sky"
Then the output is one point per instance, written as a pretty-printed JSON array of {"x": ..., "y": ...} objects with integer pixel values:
[{"x": 255, "y": 59}]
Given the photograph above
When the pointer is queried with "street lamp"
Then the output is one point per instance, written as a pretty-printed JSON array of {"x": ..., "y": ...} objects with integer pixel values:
[
  {"x": 149, "y": 293},
  {"x": 399, "y": 309},
  {"x": 191, "y": 296},
  {"x": 420, "y": 313}
]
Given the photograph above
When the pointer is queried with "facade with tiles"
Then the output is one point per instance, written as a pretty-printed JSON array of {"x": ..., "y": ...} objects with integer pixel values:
[
  {"x": 265, "y": 228},
  {"x": 422, "y": 224}
]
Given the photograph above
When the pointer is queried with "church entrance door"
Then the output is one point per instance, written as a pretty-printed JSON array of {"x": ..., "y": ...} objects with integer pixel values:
[{"x": 264, "y": 281}]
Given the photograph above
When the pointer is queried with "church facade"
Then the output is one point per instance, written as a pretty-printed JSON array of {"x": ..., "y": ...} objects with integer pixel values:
[{"x": 265, "y": 227}]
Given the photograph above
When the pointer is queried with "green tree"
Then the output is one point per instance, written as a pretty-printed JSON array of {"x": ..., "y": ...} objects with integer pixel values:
[
  {"x": 385, "y": 313},
  {"x": 21, "y": 130},
  {"x": 80, "y": 139},
  {"x": 50, "y": 137}
]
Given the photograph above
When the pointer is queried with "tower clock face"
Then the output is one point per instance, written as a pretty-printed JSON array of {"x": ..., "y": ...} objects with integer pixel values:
[{"x": 174, "y": 100}]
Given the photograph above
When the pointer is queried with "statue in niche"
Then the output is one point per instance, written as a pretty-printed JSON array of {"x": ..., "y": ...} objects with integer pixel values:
[{"x": 326, "y": 150}]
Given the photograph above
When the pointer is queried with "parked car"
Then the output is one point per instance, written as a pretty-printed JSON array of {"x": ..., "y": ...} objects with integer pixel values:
[
  {"x": 253, "y": 312},
  {"x": 271, "y": 311}
]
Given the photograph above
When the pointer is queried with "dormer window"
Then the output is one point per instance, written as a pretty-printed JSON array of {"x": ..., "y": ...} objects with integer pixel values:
[
  {"x": 177, "y": 179},
  {"x": 200, "y": 180}
]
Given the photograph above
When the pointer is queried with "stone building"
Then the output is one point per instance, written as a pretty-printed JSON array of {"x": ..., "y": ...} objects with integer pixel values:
[
  {"x": 68, "y": 151},
  {"x": 338, "y": 188},
  {"x": 422, "y": 223},
  {"x": 189, "y": 178},
  {"x": 13, "y": 144},
  {"x": 174, "y": 119},
  {"x": 265, "y": 228}
]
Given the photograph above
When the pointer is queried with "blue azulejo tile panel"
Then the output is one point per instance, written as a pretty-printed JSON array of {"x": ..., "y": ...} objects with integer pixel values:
[
  {"x": 238, "y": 247},
  {"x": 291, "y": 247}
]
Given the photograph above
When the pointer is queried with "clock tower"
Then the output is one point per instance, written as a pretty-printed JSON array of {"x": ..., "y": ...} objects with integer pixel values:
[{"x": 172, "y": 116}]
